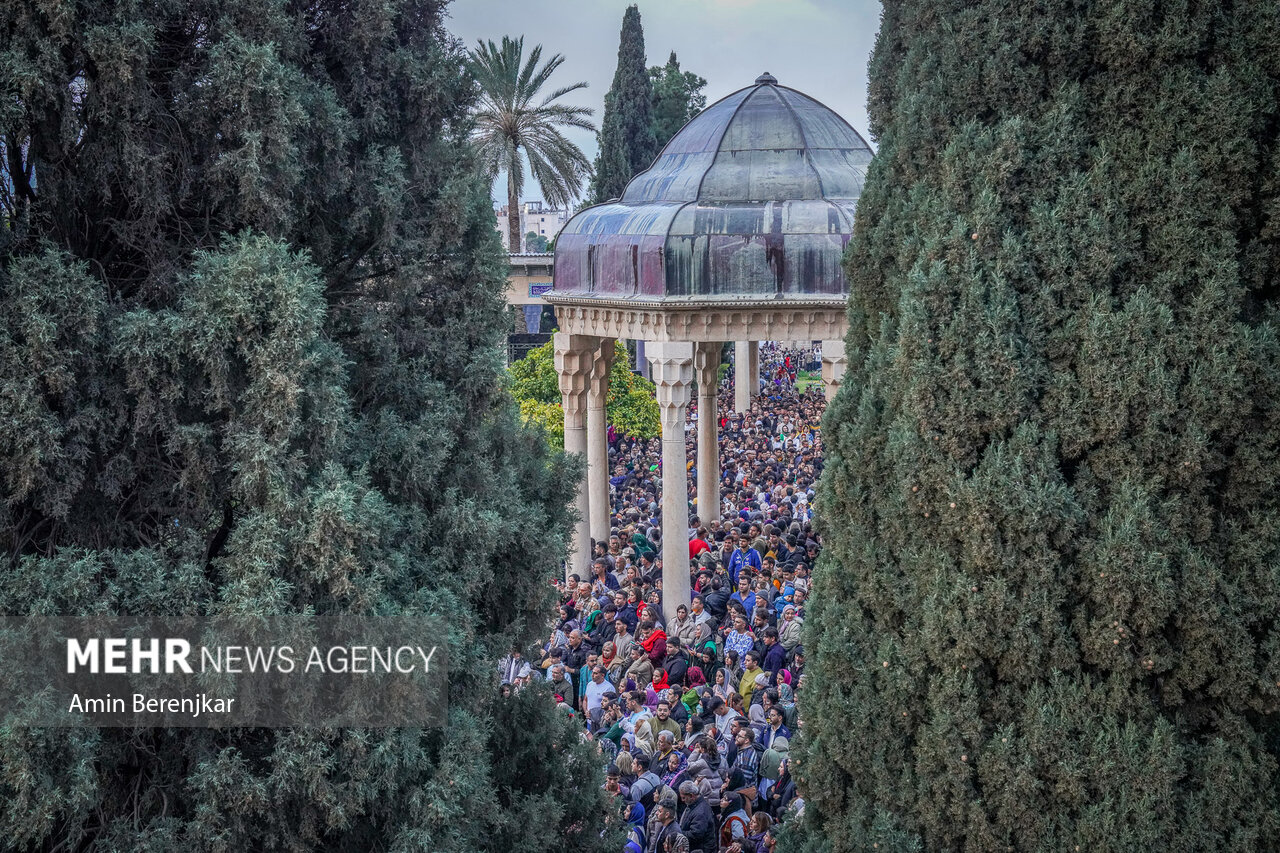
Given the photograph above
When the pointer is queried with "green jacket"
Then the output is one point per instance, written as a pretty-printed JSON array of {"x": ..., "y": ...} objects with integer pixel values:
[{"x": 772, "y": 759}]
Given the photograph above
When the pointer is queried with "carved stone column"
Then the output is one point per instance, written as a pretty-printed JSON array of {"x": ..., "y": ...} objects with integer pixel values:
[
  {"x": 753, "y": 358},
  {"x": 598, "y": 441},
  {"x": 706, "y": 365},
  {"x": 574, "y": 357},
  {"x": 672, "y": 370},
  {"x": 741, "y": 376},
  {"x": 834, "y": 361}
]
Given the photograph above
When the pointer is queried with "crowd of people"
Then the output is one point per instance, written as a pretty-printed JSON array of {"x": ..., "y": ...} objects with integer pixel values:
[{"x": 695, "y": 716}]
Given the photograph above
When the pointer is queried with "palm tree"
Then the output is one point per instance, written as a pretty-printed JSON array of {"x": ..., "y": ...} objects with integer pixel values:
[{"x": 507, "y": 125}]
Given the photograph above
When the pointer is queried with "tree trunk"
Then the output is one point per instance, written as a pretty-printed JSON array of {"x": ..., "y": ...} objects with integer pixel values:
[{"x": 513, "y": 216}]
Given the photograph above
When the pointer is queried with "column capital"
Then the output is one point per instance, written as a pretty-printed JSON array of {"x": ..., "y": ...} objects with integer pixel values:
[
  {"x": 602, "y": 366},
  {"x": 834, "y": 362},
  {"x": 706, "y": 366},
  {"x": 672, "y": 370},
  {"x": 575, "y": 357}
]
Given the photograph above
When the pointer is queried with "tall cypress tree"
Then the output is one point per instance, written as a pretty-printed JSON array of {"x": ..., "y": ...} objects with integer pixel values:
[
  {"x": 1047, "y": 616},
  {"x": 626, "y": 130},
  {"x": 677, "y": 97},
  {"x": 250, "y": 308}
]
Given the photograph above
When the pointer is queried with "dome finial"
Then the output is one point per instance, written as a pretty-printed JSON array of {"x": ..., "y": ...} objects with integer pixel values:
[{"x": 766, "y": 79}]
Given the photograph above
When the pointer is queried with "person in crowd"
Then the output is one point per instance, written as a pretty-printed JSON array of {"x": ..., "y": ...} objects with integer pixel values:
[
  {"x": 623, "y": 639},
  {"x": 757, "y": 828},
  {"x": 775, "y": 656},
  {"x": 663, "y": 825},
  {"x": 698, "y": 822},
  {"x": 596, "y": 689},
  {"x": 733, "y": 826},
  {"x": 639, "y": 674},
  {"x": 789, "y": 629},
  {"x": 662, "y": 721},
  {"x": 777, "y": 727},
  {"x": 750, "y": 673},
  {"x": 634, "y": 814}
]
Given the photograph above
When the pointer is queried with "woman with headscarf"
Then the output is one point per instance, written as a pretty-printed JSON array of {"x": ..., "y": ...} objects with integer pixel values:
[
  {"x": 732, "y": 669},
  {"x": 591, "y": 625},
  {"x": 654, "y": 689},
  {"x": 707, "y": 661},
  {"x": 721, "y": 686},
  {"x": 635, "y": 828},
  {"x": 782, "y": 792},
  {"x": 568, "y": 619},
  {"x": 642, "y": 545},
  {"x": 691, "y": 697},
  {"x": 642, "y": 741},
  {"x": 787, "y": 704},
  {"x": 789, "y": 629},
  {"x": 733, "y": 826},
  {"x": 673, "y": 769},
  {"x": 609, "y": 660},
  {"x": 755, "y": 716}
]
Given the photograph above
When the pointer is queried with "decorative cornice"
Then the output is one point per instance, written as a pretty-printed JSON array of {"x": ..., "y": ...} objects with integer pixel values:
[{"x": 735, "y": 321}]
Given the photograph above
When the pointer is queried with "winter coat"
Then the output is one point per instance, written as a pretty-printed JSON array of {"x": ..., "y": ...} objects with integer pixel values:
[
  {"x": 687, "y": 630},
  {"x": 699, "y": 824}
]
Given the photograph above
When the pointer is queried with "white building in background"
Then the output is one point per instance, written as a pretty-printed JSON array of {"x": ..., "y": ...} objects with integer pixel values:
[{"x": 534, "y": 216}]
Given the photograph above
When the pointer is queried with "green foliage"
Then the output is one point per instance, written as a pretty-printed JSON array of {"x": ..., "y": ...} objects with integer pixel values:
[
  {"x": 631, "y": 404},
  {"x": 534, "y": 376},
  {"x": 250, "y": 315},
  {"x": 677, "y": 98},
  {"x": 535, "y": 242},
  {"x": 548, "y": 416},
  {"x": 626, "y": 139},
  {"x": 1046, "y": 618},
  {"x": 515, "y": 121}
]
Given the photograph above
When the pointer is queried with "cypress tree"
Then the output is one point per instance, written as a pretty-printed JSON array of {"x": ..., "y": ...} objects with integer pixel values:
[
  {"x": 677, "y": 97},
  {"x": 1046, "y": 618},
  {"x": 626, "y": 130},
  {"x": 250, "y": 314}
]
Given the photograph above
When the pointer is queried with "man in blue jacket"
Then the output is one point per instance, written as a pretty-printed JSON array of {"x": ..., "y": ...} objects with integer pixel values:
[
  {"x": 744, "y": 557},
  {"x": 775, "y": 657}
]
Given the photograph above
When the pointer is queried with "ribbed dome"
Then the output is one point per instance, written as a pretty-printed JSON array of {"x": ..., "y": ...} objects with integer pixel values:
[
  {"x": 763, "y": 143},
  {"x": 753, "y": 198}
]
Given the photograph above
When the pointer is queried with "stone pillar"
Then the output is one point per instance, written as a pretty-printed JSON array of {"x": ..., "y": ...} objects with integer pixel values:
[
  {"x": 741, "y": 376},
  {"x": 598, "y": 441},
  {"x": 753, "y": 358},
  {"x": 574, "y": 357},
  {"x": 672, "y": 367},
  {"x": 706, "y": 365},
  {"x": 834, "y": 362},
  {"x": 642, "y": 363}
]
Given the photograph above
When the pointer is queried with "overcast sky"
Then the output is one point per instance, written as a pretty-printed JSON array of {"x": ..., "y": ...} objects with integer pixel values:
[{"x": 819, "y": 47}]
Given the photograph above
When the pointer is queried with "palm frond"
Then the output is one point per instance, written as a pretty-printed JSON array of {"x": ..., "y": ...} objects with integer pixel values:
[{"x": 508, "y": 129}]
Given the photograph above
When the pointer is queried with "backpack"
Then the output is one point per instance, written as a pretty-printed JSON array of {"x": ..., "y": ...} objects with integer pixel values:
[
  {"x": 726, "y": 831},
  {"x": 645, "y": 790}
]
